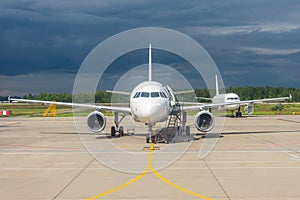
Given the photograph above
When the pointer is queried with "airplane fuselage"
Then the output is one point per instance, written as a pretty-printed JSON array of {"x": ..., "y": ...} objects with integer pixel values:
[
  {"x": 227, "y": 98},
  {"x": 150, "y": 102}
]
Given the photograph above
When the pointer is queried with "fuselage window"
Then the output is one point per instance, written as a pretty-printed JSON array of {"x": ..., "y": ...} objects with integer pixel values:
[
  {"x": 163, "y": 95},
  {"x": 155, "y": 94},
  {"x": 137, "y": 95},
  {"x": 145, "y": 94}
]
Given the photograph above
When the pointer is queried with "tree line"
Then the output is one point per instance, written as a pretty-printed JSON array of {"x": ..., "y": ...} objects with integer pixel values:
[
  {"x": 245, "y": 93},
  {"x": 98, "y": 97}
]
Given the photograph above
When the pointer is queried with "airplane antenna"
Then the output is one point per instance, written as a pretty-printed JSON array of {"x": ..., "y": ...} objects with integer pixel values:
[
  {"x": 217, "y": 86},
  {"x": 150, "y": 63}
]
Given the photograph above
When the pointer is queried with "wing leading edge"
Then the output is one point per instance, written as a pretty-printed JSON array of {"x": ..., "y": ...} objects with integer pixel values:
[{"x": 125, "y": 110}]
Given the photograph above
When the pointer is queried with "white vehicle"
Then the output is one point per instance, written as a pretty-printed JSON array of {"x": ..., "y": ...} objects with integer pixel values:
[{"x": 150, "y": 102}]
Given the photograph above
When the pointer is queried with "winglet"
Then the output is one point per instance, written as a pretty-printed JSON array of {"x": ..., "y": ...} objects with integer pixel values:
[
  {"x": 8, "y": 99},
  {"x": 290, "y": 97},
  {"x": 150, "y": 63}
]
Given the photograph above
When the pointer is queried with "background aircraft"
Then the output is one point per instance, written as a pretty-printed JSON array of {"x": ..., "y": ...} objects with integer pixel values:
[{"x": 235, "y": 99}]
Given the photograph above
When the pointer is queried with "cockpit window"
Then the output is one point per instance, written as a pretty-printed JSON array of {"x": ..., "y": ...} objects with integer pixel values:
[
  {"x": 136, "y": 95},
  {"x": 150, "y": 94},
  {"x": 145, "y": 94},
  {"x": 154, "y": 94},
  {"x": 233, "y": 98}
]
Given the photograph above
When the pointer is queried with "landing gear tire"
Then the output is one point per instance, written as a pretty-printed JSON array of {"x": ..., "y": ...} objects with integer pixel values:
[
  {"x": 238, "y": 114},
  {"x": 153, "y": 139},
  {"x": 113, "y": 131},
  {"x": 121, "y": 131}
]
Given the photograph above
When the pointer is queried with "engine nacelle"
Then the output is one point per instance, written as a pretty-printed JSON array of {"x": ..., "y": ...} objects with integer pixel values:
[
  {"x": 204, "y": 121},
  {"x": 96, "y": 121},
  {"x": 249, "y": 109}
]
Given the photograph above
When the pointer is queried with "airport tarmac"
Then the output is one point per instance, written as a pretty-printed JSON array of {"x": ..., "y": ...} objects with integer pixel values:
[{"x": 257, "y": 158}]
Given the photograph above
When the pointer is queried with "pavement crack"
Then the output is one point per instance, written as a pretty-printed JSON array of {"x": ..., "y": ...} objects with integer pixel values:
[
  {"x": 215, "y": 177},
  {"x": 288, "y": 120},
  {"x": 75, "y": 177}
]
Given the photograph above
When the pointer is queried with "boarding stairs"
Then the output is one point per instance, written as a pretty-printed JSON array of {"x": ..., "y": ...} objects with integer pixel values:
[
  {"x": 175, "y": 129},
  {"x": 168, "y": 132}
]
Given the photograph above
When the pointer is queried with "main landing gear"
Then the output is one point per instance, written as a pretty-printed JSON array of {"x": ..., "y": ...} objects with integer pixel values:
[{"x": 117, "y": 131}]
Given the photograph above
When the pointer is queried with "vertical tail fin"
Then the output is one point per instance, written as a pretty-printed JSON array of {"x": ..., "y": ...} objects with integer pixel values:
[
  {"x": 150, "y": 63},
  {"x": 217, "y": 86}
]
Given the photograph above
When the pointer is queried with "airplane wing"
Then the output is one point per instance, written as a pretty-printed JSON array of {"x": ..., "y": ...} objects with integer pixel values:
[
  {"x": 265, "y": 100},
  {"x": 204, "y": 98},
  {"x": 118, "y": 92},
  {"x": 183, "y": 92},
  {"x": 205, "y": 106},
  {"x": 125, "y": 110}
]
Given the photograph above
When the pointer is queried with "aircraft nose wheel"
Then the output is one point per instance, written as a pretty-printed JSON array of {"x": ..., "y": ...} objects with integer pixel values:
[
  {"x": 153, "y": 139},
  {"x": 238, "y": 113}
]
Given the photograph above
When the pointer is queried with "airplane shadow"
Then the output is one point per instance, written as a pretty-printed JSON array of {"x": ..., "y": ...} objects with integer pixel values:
[
  {"x": 243, "y": 132},
  {"x": 260, "y": 132},
  {"x": 99, "y": 136}
]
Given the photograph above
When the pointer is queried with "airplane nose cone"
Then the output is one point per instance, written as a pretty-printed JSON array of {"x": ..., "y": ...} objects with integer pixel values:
[
  {"x": 156, "y": 114},
  {"x": 150, "y": 113}
]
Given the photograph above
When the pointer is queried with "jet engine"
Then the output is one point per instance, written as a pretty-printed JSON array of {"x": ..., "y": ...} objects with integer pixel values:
[
  {"x": 249, "y": 109},
  {"x": 204, "y": 121},
  {"x": 96, "y": 121}
]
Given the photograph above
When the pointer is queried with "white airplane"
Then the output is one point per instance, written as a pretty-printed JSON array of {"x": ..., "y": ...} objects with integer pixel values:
[
  {"x": 150, "y": 102},
  {"x": 236, "y": 101}
]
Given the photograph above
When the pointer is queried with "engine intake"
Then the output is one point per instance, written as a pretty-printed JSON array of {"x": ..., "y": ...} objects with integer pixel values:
[
  {"x": 204, "y": 121},
  {"x": 249, "y": 109},
  {"x": 96, "y": 121}
]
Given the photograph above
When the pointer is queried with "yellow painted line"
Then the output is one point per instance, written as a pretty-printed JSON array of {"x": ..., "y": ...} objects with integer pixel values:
[
  {"x": 119, "y": 187},
  {"x": 150, "y": 168},
  {"x": 178, "y": 187}
]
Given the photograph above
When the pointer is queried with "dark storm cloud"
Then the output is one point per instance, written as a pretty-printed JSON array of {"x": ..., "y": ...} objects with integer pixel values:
[{"x": 245, "y": 38}]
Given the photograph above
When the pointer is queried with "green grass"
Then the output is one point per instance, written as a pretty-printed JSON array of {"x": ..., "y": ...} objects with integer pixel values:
[{"x": 266, "y": 109}]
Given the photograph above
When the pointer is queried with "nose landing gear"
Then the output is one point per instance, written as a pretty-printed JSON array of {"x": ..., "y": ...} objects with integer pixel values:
[{"x": 238, "y": 113}]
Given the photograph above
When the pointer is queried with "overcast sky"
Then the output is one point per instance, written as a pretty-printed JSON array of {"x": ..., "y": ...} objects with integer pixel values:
[{"x": 43, "y": 42}]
